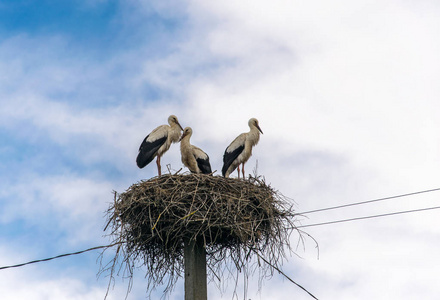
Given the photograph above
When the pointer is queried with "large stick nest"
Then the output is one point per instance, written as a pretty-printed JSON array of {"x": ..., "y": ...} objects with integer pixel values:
[{"x": 237, "y": 220}]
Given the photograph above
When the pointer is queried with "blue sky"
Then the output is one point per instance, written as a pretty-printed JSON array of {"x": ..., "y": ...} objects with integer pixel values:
[{"x": 346, "y": 95}]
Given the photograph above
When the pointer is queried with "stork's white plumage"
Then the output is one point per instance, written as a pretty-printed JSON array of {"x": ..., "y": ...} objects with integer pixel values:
[
  {"x": 194, "y": 158},
  {"x": 158, "y": 142},
  {"x": 239, "y": 151}
]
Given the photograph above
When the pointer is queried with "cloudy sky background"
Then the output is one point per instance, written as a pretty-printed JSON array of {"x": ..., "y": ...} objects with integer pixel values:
[{"x": 346, "y": 93}]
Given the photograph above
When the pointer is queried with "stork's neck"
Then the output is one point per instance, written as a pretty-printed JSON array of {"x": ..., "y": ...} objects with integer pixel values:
[
  {"x": 185, "y": 141},
  {"x": 254, "y": 135},
  {"x": 174, "y": 126},
  {"x": 174, "y": 134}
]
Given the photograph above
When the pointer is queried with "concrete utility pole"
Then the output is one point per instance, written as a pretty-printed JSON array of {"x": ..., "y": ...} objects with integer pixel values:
[{"x": 195, "y": 270}]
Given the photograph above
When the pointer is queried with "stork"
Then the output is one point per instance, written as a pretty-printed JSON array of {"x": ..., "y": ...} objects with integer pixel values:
[
  {"x": 158, "y": 142},
  {"x": 239, "y": 151},
  {"x": 194, "y": 158}
]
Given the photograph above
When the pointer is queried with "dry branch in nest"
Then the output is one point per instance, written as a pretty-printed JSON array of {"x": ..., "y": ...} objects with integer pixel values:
[{"x": 240, "y": 221}]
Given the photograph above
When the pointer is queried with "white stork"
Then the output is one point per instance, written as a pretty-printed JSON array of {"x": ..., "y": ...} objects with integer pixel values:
[
  {"x": 158, "y": 142},
  {"x": 239, "y": 151},
  {"x": 194, "y": 158}
]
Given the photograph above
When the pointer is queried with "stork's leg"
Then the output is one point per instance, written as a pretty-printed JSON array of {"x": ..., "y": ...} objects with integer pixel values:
[
  {"x": 238, "y": 170},
  {"x": 158, "y": 165},
  {"x": 242, "y": 169}
]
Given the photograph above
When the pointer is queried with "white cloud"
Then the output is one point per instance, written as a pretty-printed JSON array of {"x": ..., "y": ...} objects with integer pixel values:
[
  {"x": 75, "y": 206},
  {"x": 367, "y": 81}
]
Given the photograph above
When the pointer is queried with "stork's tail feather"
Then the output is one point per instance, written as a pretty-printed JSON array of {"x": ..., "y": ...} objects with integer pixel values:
[
  {"x": 229, "y": 157},
  {"x": 148, "y": 150},
  {"x": 204, "y": 166},
  {"x": 143, "y": 159},
  {"x": 224, "y": 169}
]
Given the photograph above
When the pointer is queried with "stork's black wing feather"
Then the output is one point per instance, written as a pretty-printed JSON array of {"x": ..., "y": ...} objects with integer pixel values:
[
  {"x": 148, "y": 150},
  {"x": 204, "y": 165},
  {"x": 229, "y": 157}
]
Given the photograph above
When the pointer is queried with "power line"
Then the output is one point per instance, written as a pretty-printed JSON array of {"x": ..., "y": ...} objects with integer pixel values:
[
  {"x": 358, "y": 203},
  {"x": 55, "y": 257},
  {"x": 369, "y": 201},
  {"x": 369, "y": 217},
  {"x": 282, "y": 273}
]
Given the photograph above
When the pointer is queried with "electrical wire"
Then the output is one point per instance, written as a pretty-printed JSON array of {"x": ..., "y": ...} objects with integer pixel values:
[
  {"x": 284, "y": 274},
  {"x": 369, "y": 201},
  {"x": 370, "y": 217},
  {"x": 55, "y": 257}
]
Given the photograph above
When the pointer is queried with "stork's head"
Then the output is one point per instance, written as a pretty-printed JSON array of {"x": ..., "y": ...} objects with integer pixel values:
[
  {"x": 186, "y": 132},
  {"x": 254, "y": 123},
  {"x": 173, "y": 120}
]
